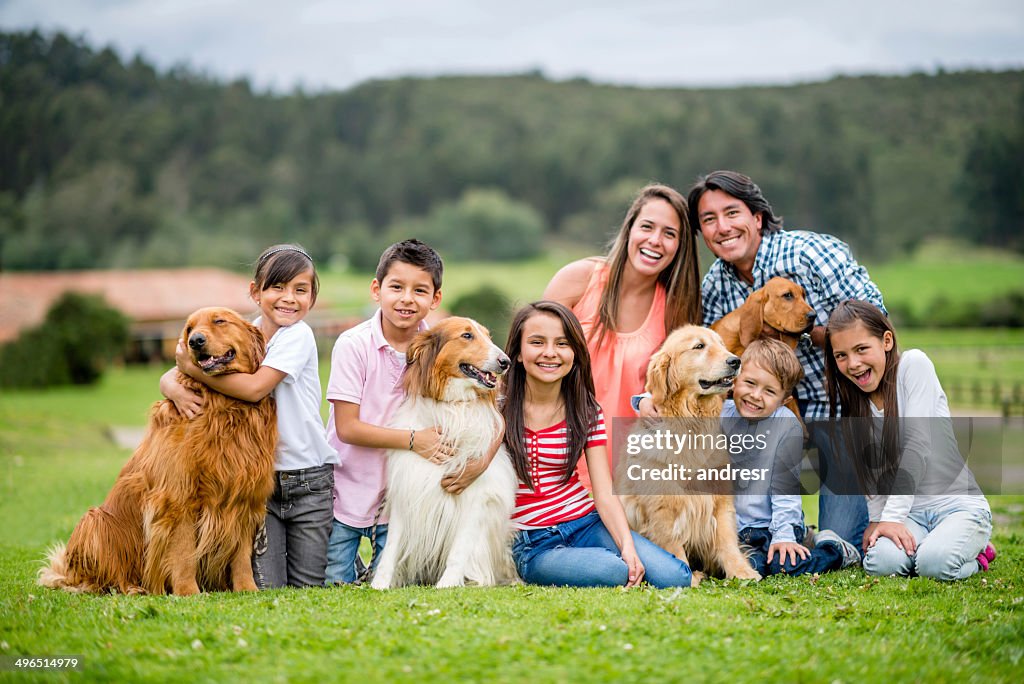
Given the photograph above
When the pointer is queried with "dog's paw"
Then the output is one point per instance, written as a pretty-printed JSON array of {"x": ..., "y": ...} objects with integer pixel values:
[
  {"x": 450, "y": 580},
  {"x": 696, "y": 577},
  {"x": 186, "y": 589},
  {"x": 245, "y": 585},
  {"x": 747, "y": 574}
]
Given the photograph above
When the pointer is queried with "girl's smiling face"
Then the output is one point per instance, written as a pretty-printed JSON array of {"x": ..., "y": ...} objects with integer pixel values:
[
  {"x": 860, "y": 356},
  {"x": 546, "y": 353},
  {"x": 283, "y": 304}
]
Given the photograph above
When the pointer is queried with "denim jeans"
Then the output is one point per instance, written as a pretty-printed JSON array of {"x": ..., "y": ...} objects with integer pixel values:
[
  {"x": 343, "y": 548},
  {"x": 844, "y": 514},
  {"x": 582, "y": 553},
  {"x": 822, "y": 558},
  {"x": 949, "y": 534},
  {"x": 299, "y": 515}
]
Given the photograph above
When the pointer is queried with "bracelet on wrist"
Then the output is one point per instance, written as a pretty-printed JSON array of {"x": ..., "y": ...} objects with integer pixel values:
[{"x": 412, "y": 438}]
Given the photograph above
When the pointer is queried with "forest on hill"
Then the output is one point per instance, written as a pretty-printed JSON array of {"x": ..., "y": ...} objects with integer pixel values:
[{"x": 107, "y": 162}]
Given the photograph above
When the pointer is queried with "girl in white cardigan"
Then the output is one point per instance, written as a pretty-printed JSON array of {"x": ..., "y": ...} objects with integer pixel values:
[{"x": 927, "y": 515}]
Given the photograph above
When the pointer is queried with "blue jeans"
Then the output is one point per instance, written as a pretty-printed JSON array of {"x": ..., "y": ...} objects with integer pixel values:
[
  {"x": 949, "y": 534},
  {"x": 845, "y": 514},
  {"x": 581, "y": 553},
  {"x": 293, "y": 551},
  {"x": 822, "y": 558},
  {"x": 343, "y": 548}
]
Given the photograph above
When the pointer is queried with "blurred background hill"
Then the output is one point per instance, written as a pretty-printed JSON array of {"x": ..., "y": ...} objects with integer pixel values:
[{"x": 107, "y": 162}]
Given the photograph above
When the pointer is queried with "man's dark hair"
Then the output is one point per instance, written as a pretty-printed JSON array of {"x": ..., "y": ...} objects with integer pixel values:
[
  {"x": 742, "y": 188},
  {"x": 414, "y": 253}
]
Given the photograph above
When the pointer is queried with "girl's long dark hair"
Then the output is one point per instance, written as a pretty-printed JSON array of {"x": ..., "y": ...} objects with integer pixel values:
[
  {"x": 577, "y": 390},
  {"x": 876, "y": 466}
]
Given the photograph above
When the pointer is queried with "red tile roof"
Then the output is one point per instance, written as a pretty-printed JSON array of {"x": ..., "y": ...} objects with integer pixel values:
[{"x": 144, "y": 296}]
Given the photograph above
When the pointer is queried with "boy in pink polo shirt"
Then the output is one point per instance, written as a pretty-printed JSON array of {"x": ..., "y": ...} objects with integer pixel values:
[{"x": 365, "y": 389}]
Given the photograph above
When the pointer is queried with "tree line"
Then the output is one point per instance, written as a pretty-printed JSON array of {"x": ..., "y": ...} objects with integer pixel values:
[{"x": 107, "y": 162}]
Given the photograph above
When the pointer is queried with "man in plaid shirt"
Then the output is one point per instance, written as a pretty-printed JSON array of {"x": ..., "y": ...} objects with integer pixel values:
[{"x": 740, "y": 228}]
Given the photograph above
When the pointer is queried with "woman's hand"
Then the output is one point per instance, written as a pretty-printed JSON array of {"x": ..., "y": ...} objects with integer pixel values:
[
  {"x": 897, "y": 533},
  {"x": 790, "y": 549}
]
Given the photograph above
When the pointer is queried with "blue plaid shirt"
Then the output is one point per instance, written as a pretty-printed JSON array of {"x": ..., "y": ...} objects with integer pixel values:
[{"x": 825, "y": 268}]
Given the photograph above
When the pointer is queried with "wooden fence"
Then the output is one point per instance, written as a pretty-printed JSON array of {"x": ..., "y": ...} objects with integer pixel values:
[{"x": 1007, "y": 397}]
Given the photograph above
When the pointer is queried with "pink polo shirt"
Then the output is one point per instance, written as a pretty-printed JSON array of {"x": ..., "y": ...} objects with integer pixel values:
[{"x": 365, "y": 370}]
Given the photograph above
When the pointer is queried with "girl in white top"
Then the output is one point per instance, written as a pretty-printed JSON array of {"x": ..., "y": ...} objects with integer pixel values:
[
  {"x": 291, "y": 550},
  {"x": 927, "y": 515}
]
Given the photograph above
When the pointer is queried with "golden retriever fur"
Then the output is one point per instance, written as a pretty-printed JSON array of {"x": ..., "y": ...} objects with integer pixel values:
[
  {"x": 778, "y": 310},
  {"x": 435, "y": 537},
  {"x": 184, "y": 511},
  {"x": 687, "y": 379}
]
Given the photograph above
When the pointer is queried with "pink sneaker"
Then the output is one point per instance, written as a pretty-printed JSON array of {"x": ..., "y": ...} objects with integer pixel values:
[{"x": 986, "y": 556}]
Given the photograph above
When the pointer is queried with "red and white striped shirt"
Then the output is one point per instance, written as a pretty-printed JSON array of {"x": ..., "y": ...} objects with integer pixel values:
[{"x": 553, "y": 501}]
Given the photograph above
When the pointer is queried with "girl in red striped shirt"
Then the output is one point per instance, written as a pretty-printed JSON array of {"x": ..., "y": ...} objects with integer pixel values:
[{"x": 564, "y": 536}]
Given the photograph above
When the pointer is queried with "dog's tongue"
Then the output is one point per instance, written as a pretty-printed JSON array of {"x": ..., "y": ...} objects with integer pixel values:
[{"x": 490, "y": 378}]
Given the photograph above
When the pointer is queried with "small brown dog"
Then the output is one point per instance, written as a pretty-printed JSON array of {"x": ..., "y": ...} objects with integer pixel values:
[
  {"x": 184, "y": 511},
  {"x": 778, "y": 310},
  {"x": 688, "y": 378}
]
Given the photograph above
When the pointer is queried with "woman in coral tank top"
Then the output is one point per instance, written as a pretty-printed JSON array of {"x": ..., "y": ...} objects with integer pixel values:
[{"x": 627, "y": 301}]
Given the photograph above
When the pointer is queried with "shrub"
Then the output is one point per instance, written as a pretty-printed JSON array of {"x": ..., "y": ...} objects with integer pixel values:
[
  {"x": 488, "y": 306},
  {"x": 73, "y": 345}
]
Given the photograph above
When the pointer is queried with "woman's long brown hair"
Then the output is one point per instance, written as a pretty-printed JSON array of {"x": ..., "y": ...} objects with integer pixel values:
[
  {"x": 681, "y": 278},
  {"x": 577, "y": 390}
]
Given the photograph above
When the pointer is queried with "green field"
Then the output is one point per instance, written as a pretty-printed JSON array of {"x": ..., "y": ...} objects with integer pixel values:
[
  {"x": 56, "y": 460},
  {"x": 954, "y": 272}
]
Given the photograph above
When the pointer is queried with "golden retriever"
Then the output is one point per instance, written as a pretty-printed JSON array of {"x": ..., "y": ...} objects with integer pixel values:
[
  {"x": 778, "y": 310},
  {"x": 435, "y": 537},
  {"x": 185, "y": 508},
  {"x": 687, "y": 379}
]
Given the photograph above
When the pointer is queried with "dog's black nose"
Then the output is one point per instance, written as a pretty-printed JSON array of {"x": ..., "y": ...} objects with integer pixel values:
[
  {"x": 810, "y": 317},
  {"x": 503, "y": 363},
  {"x": 733, "y": 362},
  {"x": 197, "y": 341}
]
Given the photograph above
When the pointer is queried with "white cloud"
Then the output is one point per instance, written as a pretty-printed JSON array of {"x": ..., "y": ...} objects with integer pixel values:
[{"x": 321, "y": 43}]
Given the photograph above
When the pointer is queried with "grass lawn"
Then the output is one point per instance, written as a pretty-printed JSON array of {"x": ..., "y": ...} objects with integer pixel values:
[{"x": 56, "y": 460}]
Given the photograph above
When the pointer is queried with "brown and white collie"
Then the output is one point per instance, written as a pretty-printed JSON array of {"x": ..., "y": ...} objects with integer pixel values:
[{"x": 435, "y": 537}]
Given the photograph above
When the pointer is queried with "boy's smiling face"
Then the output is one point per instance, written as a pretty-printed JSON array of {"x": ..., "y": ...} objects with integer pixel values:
[
  {"x": 757, "y": 392},
  {"x": 406, "y": 296}
]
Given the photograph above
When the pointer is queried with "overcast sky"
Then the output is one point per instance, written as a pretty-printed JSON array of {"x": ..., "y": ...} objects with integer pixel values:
[{"x": 281, "y": 44}]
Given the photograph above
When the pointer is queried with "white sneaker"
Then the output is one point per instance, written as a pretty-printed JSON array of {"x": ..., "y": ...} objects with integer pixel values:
[{"x": 851, "y": 556}]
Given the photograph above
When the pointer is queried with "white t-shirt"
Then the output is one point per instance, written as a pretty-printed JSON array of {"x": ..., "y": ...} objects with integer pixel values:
[
  {"x": 928, "y": 447},
  {"x": 301, "y": 442}
]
